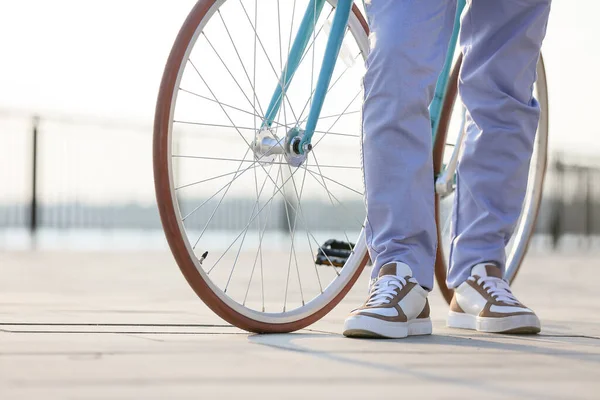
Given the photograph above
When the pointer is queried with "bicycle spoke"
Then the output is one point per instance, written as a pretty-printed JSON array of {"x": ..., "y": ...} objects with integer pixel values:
[
  {"x": 279, "y": 30},
  {"x": 333, "y": 180},
  {"x": 312, "y": 69},
  {"x": 291, "y": 31},
  {"x": 254, "y": 161},
  {"x": 230, "y": 120},
  {"x": 229, "y": 71},
  {"x": 335, "y": 197},
  {"x": 266, "y": 55},
  {"x": 218, "y": 191},
  {"x": 292, "y": 252},
  {"x": 223, "y": 104},
  {"x": 331, "y": 86},
  {"x": 342, "y": 115},
  {"x": 279, "y": 190},
  {"x": 309, "y": 47},
  {"x": 256, "y": 204},
  {"x": 259, "y": 251},
  {"x": 244, "y": 230},
  {"x": 306, "y": 224},
  {"x": 246, "y": 128},
  {"x": 255, "y": 98},
  {"x": 235, "y": 177},
  {"x": 217, "y": 207},
  {"x": 328, "y": 132},
  {"x": 252, "y": 220},
  {"x": 243, "y": 128},
  {"x": 212, "y": 158},
  {"x": 334, "y": 166},
  {"x": 253, "y": 86},
  {"x": 284, "y": 125},
  {"x": 208, "y": 180},
  {"x": 329, "y": 194},
  {"x": 337, "y": 119},
  {"x": 301, "y": 211},
  {"x": 345, "y": 109},
  {"x": 222, "y": 107},
  {"x": 280, "y": 57}
]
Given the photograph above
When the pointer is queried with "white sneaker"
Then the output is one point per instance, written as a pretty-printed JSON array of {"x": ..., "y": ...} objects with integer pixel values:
[
  {"x": 397, "y": 307},
  {"x": 485, "y": 303}
]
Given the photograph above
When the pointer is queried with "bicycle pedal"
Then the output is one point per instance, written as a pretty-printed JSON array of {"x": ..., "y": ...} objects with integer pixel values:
[{"x": 334, "y": 253}]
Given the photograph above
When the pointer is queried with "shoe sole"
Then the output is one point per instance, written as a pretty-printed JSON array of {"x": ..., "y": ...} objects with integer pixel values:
[
  {"x": 360, "y": 326},
  {"x": 523, "y": 324}
]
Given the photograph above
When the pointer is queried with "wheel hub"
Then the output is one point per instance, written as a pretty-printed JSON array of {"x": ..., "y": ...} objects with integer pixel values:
[{"x": 267, "y": 146}]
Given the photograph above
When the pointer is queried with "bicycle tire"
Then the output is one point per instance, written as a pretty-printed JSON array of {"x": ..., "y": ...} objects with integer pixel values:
[{"x": 168, "y": 209}]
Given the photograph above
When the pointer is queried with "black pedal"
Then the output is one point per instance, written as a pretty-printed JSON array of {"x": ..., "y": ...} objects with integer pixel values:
[{"x": 334, "y": 253}]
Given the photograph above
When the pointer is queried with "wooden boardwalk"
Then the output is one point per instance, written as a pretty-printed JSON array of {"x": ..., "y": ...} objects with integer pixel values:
[{"x": 126, "y": 326}]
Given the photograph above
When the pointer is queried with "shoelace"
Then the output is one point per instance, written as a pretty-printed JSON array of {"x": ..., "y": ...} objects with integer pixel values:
[
  {"x": 497, "y": 288},
  {"x": 384, "y": 289}
]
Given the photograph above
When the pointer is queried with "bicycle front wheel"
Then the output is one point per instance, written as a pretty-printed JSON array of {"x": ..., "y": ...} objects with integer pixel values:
[
  {"x": 247, "y": 227},
  {"x": 445, "y": 141}
]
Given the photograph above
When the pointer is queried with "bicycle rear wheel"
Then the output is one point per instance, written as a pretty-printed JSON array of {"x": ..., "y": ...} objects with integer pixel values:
[
  {"x": 446, "y": 139},
  {"x": 245, "y": 228}
]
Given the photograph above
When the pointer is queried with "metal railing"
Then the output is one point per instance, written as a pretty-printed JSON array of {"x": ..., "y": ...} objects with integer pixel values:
[
  {"x": 67, "y": 173},
  {"x": 574, "y": 206}
]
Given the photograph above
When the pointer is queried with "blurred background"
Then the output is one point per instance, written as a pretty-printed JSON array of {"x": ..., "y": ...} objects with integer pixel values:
[
  {"x": 92, "y": 305},
  {"x": 78, "y": 85}
]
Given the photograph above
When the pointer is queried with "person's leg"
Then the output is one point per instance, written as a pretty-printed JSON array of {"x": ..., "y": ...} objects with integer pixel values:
[
  {"x": 501, "y": 43},
  {"x": 409, "y": 41}
]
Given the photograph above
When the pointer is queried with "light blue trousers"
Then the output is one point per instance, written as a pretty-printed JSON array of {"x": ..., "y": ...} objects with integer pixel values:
[{"x": 501, "y": 41}]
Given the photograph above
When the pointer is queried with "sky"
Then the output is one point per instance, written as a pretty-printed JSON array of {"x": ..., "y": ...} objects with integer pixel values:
[{"x": 104, "y": 60}]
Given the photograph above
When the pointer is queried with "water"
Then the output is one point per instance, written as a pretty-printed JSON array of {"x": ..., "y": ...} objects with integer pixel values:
[
  {"x": 123, "y": 240},
  {"x": 154, "y": 240}
]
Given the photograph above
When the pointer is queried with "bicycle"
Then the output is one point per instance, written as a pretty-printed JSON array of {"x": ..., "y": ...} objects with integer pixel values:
[{"x": 275, "y": 157}]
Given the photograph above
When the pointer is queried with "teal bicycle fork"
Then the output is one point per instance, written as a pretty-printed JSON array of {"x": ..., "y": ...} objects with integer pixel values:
[{"x": 334, "y": 43}]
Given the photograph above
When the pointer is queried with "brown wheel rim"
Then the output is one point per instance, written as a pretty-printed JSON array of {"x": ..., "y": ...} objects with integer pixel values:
[
  {"x": 438, "y": 156},
  {"x": 167, "y": 208}
]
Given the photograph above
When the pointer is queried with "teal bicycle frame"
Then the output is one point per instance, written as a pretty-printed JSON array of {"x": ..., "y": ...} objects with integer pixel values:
[{"x": 334, "y": 43}]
